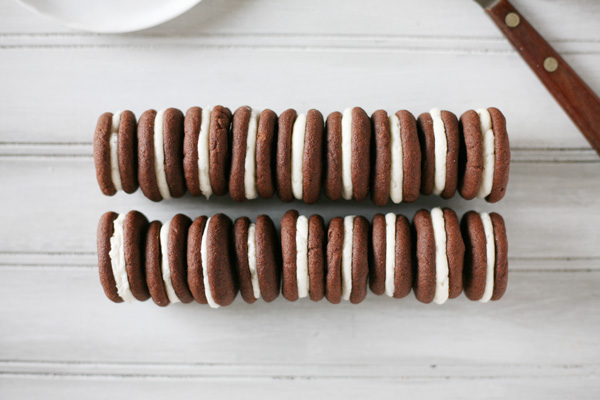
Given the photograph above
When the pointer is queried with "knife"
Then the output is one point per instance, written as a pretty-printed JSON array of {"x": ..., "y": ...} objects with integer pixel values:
[{"x": 569, "y": 90}]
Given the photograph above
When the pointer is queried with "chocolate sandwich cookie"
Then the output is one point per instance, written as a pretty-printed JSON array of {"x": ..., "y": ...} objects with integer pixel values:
[
  {"x": 439, "y": 261},
  {"x": 485, "y": 155},
  {"x": 391, "y": 273},
  {"x": 347, "y": 259},
  {"x": 266, "y": 140},
  {"x": 439, "y": 137},
  {"x": 471, "y": 155},
  {"x": 381, "y": 154},
  {"x": 134, "y": 240},
  {"x": 205, "y": 150},
  {"x": 501, "y": 156},
  {"x": 333, "y": 158},
  {"x": 195, "y": 273},
  {"x": 284, "y": 155},
  {"x": 299, "y": 156},
  {"x": 455, "y": 250},
  {"x": 303, "y": 244},
  {"x": 348, "y": 155},
  {"x": 160, "y": 171},
  {"x": 424, "y": 253},
  {"x": 177, "y": 255},
  {"x": 256, "y": 258},
  {"x": 486, "y": 258},
  {"x": 115, "y": 155},
  {"x": 107, "y": 279},
  {"x": 242, "y": 178},
  {"x": 397, "y": 155},
  {"x": 218, "y": 271},
  {"x": 120, "y": 260},
  {"x": 153, "y": 257},
  {"x": 219, "y": 156}
]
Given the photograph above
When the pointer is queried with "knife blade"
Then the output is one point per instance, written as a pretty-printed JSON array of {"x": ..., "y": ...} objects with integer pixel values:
[{"x": 580, "y": 103}]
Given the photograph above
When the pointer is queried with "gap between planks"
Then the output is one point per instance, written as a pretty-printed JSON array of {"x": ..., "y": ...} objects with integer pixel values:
[
  {"x": 84, "y": 150},
  {"x": 281, "y": 42},
  {"x": 202, "y": 371}
]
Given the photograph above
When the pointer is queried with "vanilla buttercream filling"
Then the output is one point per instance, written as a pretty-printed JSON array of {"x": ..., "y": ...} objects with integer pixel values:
[
  {"x": 302, "y": 277},
  {"x": 390, "y": 254},
  {"x": 164, "y": 265},
  {"x": 203, "y": 153},
  {"x": 489, "y": 156},
  {"x": 490, "y": 253},
  {"x": 441, "y": 148},
  {"x": 204, "y": 253},
  {"x": 250, "y": 161},
  {"x": 347, "y": 257},
  {"x": 298, "y": 137},
  {"x": 159, "y": 156},
  {"x": 397, "y": 158},
  {"x": 442, "y": 279},
  {"x": 347, "y": 187},
  {"x": 252, "y": 260},
  {"x": 115, "y": 174},
  {"x": 117, "y": 260}
]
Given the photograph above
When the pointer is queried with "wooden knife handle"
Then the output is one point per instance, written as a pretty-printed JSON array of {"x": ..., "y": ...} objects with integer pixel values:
[{"x": 575, "y": 97}]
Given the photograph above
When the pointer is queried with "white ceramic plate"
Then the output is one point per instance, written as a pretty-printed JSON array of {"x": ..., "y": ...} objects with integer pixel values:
[{"x": 110, "y": 16}]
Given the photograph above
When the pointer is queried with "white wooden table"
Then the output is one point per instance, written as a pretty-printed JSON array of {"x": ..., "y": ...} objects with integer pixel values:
[{"x": 61, "y": 338}]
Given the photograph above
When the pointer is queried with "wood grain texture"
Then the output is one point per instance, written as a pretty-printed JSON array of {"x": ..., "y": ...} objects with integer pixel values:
[
  {"x": 570, "y": 91},
  {"x": 59, "y": 336}
]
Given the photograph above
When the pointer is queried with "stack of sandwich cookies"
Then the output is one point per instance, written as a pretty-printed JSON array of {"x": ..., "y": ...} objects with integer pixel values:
[
  {"x": 440, "y": 144},
  {"x": 348, "y": 160},
  {"x": 206, "y": 150},
  {"x": 485, "y": 155},
  {"x": 160, "y": 150},
  {"x": 391, "y": 269},
  {"x": 347, "y": 259},
  {"x": 114, "y": 152},
  {"x": 486, "y": 258},
  {"x": 397, "y": 158},
  {"x": 211, "y": 272},
  {"x": 303, "y": 256},
  {"x": 299, "y": 156},
  {"x": 120, "y": 256},
  {"x": 256, "y": 258},
  {"x": 180, "y": 261},
  {"x": 242, "y": 179},
  {"x": 439, "y": 252}
]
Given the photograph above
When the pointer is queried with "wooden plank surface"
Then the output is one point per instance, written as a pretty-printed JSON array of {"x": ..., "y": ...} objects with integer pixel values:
[{"x": 59, "y": 336}]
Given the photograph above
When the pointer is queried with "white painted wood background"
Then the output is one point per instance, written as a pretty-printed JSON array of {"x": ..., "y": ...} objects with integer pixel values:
[{"x": 61, "y": 338}]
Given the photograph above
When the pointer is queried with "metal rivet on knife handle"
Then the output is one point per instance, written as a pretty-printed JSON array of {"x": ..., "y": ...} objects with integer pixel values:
[
  {"x": 550, "y": 64},
  {"x": 512, "y": 20}
]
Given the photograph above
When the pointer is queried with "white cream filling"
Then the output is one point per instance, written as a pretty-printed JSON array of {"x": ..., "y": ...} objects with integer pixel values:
[
  {"x": 115, "y": 174},
  {"x": 117, "y": 260},
  {"x": 490, "y": 252},
  {"x": 302, "y": 277},
  {"x": 252, "y": 260},
  {"x": 203, "y": 153},
  {"x": 159, "y": 156},
  {"x": 347, "y": 187},
  {"x": 347, "y": 257},
  {"x": 390, "y": 253},
  {"x": 250, "y": 161},
  {"x": 164, "y": 265},
  {"x": 204, "y": 253},
  {"x": 298, "y": 136},
  {"x": 397, "y": 158},
  {"x": 441, "y": 148},
  {"x": 442, "y": 280},
  {"x": 489, "y": 156}
]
